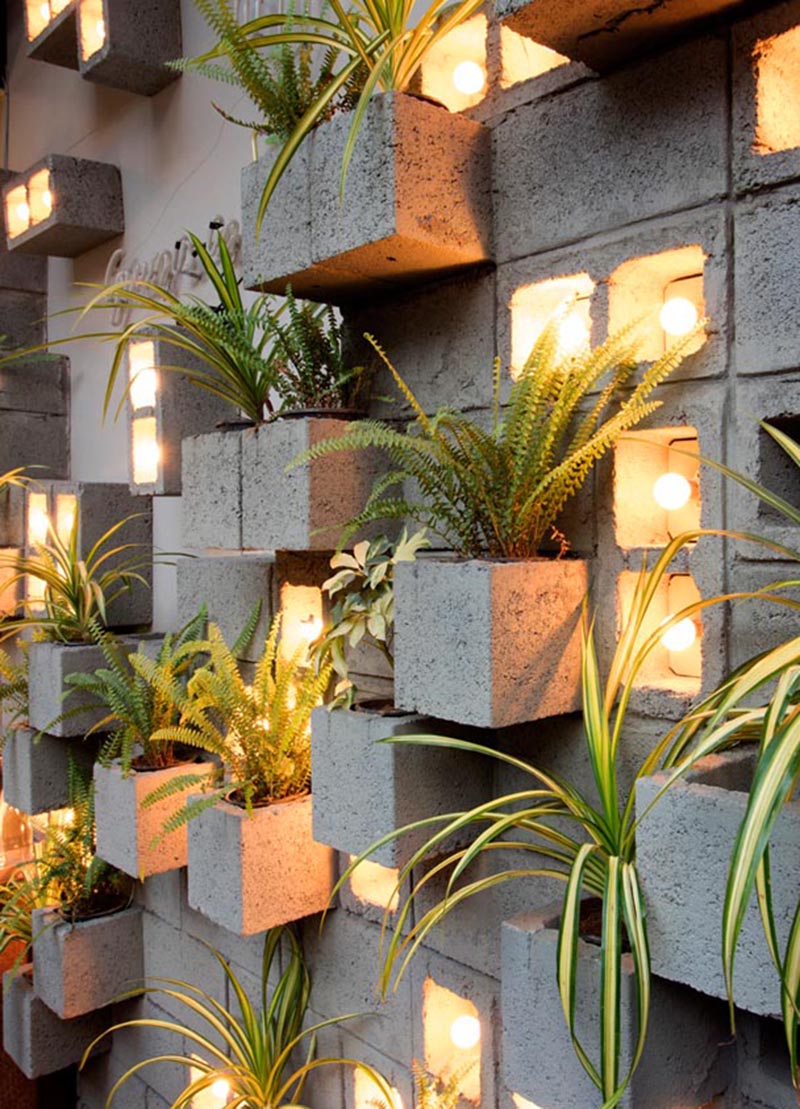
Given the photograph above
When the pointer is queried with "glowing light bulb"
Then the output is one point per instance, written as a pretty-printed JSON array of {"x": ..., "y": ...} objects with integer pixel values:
[
  {"x": 38, "y": 519},
  {"x": 146, "y": 452},
  {"x": 220, "y": 1088},
  {"x": 681, "y": 636},
  {"x": 573, "y": 335},
  {"x": 311, "y": 628},
  {"x": 672, "y": 491},
  {"x": 142, "y": 374},
  {"x": 678, "y": 316},
  {"x": 23, "y": 211},
  {"x": 100, "y": 31},
  {"x": 44, "y": 11},
  {"x": 465, "y": 1032},
  {"x": 469, "y": 78},
  {"x": 47, "y": 201}
]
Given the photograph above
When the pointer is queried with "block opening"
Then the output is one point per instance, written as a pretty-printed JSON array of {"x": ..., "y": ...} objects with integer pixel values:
[
  {"x": 373, "y": 884},
  {"x": 455, "y": 69},
  {"x": 775, "y": 468},
  {"x": 91, "y": 27},
  {"x": 777, "y": 76},
  {"x": 368, "y": 1093},
  {"x": 522, "y": 59},
  {"x": 452, "y": 1037},
  {"x": 532, "y": 306},
  {"x": 675, "y": 663},
  {"x": 656, "y": 486}
]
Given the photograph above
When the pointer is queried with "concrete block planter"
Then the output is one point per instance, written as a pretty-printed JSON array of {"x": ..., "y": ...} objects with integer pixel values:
[
  {"x": 54, "y": 41},
  {"x": 125, "y": 831},
  {"x": 212, "y": 489},
  {"x": 684, "y": 847},
  {"x": 364, "y": 789},
  {"x": 78, "y": 968},
  {"x": 38, "y": 1041},
  {"x": 539, "y": 1061},
  {"x": 306, "y": 508},
  {"x": 127, "y": 47},
  {"x": 488, "y": 644},
  {"x": 35, "y": 770},
  {"x": 605, "y": 34},
  {"x": 417, "y": 205},
  {"x": 252, "y": 873},
  {"x": 72, "y": 205}
]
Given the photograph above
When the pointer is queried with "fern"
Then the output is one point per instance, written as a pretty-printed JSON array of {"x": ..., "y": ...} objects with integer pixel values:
[
  {"x": 498, "y": 493},
  {"x": 13, "y": 690},
  {"x": 431, "y": 1091}
]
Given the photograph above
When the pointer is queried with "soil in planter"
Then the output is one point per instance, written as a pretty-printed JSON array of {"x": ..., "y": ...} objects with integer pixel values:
[
  {"x": 380, "y": 707},
  {"x": 591, "y": 924},
  {"x": 105, "y": 905},
  {"x": 181, "y": 756},
  {"x": 237, "y": 798}
]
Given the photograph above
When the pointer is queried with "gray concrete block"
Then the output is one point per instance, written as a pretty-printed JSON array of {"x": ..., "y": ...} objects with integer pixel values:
[
  {"x": 132, "y": 1045},
  {"x": 137, "y": 45},
  {"x": 57, "y": 43},
  {"x": 82, "y": 967},
  {"x": 163, "y": 896},
  {"x": 760, "y": 625},
  {"x": 22, "y": 317},
  {"x": 126, "y": 832},
  {"x": 36, "y": 384},
  {"x": 99, "y": 1075},
  {"x": 170, "y": 953},
  {"x": 229, "y": 585},
  {"x": 626, "y": 148},
  {"x": 358, "y": 1088},
  {"x": 488, "y": 644},
  {"x": 34, "y": 439},
  {"x": 684, "y": 849},
  {"x": 308, "y": 507},
  {"x": 49, "y": 664},
  {"x": 680, "y": 1063},
  {"x": 19, "y": 271},
  {"x": 281, "y": 253},
  {"x": 35, "y": 1038},
  {"x": 417, "y": 203},
  {"x": 12, "y": 518},
  {"x": 87, "y": 209},
  {"x": 212, "y": 489},
  {"x": 252, "y": 873},
  {"x": 608, "y": 33},
  {"x": 364, "y": 789},
  {"x": 35, "y": 771},
  {"x": 763, "y": 1075}
]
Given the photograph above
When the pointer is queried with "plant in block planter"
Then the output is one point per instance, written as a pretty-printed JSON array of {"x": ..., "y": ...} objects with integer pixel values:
[
  {"x": 252, "y": 860},
  {"x": 495, "y": 497}
]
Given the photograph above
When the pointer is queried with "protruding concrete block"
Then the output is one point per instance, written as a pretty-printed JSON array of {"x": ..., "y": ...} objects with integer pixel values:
[
  {"x": 308, "y": 507},
  {"x": 22, "y": 272},
  {"x": 37, "y": 1040},
  {"x": 252, "y": 873},
  {"x": 229, "y": 585},
  {"x": 74, "y": 204},
  {"x": 417, "y": 204},
  {"x": 683, "y": 849},
  {"x": 604, "y": 34},
  {"x": 35, "y": 771},
  {"x": 22, "y": 316},
  {"x": 78, "y": 968},
  {"x": 12, "y": 518},
  {"x": 364, "y": 789},
  {"x": 34, "y": 439},
  {"x": 126, "y": 832},
  {"x": 283, "y": 245},
  {"x": 488, "y": 644},
  {"x": 56, "y": 41},
  {"x": 135, "y": 46},
  {"x": 36, "y": 384},
  {"x": 539, "y": 1061},
  {"x": 212, "y": 489}
]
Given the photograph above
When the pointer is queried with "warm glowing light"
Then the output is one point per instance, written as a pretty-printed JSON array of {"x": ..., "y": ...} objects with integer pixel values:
[
  {"x": 66, "y": 510},
  {"x": 221, "y": 1089},
  {"x": 311, "y": 628},
  {"x": 573, "y": 335},
  {"x": 369, "y": 1093},
  {"x": 23, "y": 211},
  {"x": 302, "y": 623},
  {"x": 469, "y": 78},
  {"x": 146, "y": 451},
  {"x": 375, "y": 884},
  {"x": 44, "y": 11},
  {"x": 678, "y": 316},
  {"x": 681, "y": 636},
  {"x": 36, "y": 592},
  {"x": 672, "y": 492},
  {"x": 38, "y": 519},
  {"x": 142, "y": 373},
  {"x": 18, "y": 212},
  {"x": 91, "y": 18},
  {"x": 465, "y": 1032}
]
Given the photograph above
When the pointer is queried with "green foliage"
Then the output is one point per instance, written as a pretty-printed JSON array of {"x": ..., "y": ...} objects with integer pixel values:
[
  {"x": 13, "y": 689},
  {"x": 362, "y": 592},
  {"x": 131, "y": 687},
  {"x": 430, "y": 1091},
  {"x": 249, "y": 1046},
  {"x": 499, "y": 493},
  {"x": 77, "y": 591},
  {"x": 260, "y": 732},
  {"x": 19, "y": 896}
]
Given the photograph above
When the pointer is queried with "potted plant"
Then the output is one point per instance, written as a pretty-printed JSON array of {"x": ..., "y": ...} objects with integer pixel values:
[
  {"x": 489, "y": 636},
  {"x": 253, "y": 862},
  {"x": 348, "y": 763},
  {"x": 136, "y": 692}
]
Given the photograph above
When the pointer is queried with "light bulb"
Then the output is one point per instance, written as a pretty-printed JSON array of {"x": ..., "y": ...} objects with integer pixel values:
[
  {"x": 678, "y": 316},
  {"x": 465, "y": 1032},
  {"x": 142, "y": 374},
  {"x": 44, "y": 11},
  {"x": 220, "y": 1088},
  {"x": 672, "y": 491},
  {"x": 681, "y": 636},
  {"x": 38, "y": 519},
  {"x": 146, "y": 453},
  {"x": 47, "y": 201},
  {"x": 573, "y": 335},
  {"x": 311, "y": 628},
  {"x": 23, "y": 212},
  {"x": 469, "y": 78},
  {"x": 100, "y": 31}
]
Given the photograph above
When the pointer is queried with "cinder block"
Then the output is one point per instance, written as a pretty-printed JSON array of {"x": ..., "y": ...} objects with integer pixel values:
[
  {"x": 34, "y": 439},
  {"x": 163, "y": 895},
  {"x": 637, "y": 133},
  {"x": 212, "y": 489},
  {"x": 308, "y": 507},
  {"x": 229, "y": 585},
  {"x": 137, "y": 44},
  {"x": 126, "y": 832},
  {"x": 252, "y": 873},
  {"x": 417, "y": 204},
  {"x": 281, "y": 253},
  {"x": 684, "y": 846},
  {"x": 35, "y": 771},
  {"x": 20, "y": 271},
  {"x": 85, "y": 207},
  {"x": 170, "y": 953},
  {"x": 9, "y": 592},
  {"x": 364, "y": 789},
  {"x": 605, "y": 34},
  {"x": 85, "y": 966},
  {"x": 99, "y": 1075},
  {"x": 35, "y": 384},
  {"x": 35, "y": 1038},
  {"x": 488, "y": 644},
  {"x": 132, "y": 1045},
  {"x": 22, "y": 316},
  {"x": 359, "y": 1092},
  {"x": 12, "y": 518},
  {"x": 680, "y": 1062},
  {"x": 763, "y": 1073},
  {"x": 757, "y": 626},
  {"x": 57, "y": 42}
]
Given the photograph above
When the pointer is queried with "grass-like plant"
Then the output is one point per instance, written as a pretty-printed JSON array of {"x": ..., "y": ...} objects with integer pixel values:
[
  {"x": 76, "y": 592},
  {"x": 251, "y": 1047},
  {"x": 260, "y": 732},
  {"x": 499, "y": 492}
]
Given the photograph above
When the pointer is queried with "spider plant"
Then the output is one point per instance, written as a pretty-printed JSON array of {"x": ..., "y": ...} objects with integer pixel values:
[
  {"x": 260, "y": 732},
  {"x": 379, "y": 46},
  {"x": 586, "y": 839},
  {"x": 499, "y": 493},
  {"x": 76, "y": 591},
  {"x": 247, "y": 1046}
]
